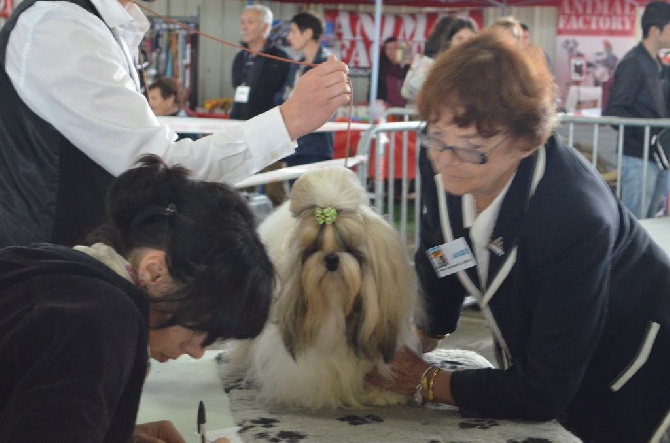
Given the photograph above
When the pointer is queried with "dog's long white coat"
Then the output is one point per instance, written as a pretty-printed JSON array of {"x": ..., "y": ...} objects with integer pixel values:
[{"x": 329, "y": 373}]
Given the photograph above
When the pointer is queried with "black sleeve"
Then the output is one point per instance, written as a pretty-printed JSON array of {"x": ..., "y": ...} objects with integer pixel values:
[
  {"x": 623, "y": 93},
  {"x": 72, "y": 359}
]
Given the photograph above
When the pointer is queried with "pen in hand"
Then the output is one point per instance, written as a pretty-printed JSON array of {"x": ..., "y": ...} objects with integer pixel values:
[{"x": 201, "y": 422}]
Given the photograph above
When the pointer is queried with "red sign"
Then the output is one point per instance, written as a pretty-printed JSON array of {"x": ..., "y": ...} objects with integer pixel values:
[
  {"x": 5, "y": 8},
  {"x": 351, "y": 34},
  {"x": 596, "y": 17}
]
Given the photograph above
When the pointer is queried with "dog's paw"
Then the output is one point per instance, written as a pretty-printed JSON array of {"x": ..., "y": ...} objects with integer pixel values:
[{"x": 377, "y": 398}]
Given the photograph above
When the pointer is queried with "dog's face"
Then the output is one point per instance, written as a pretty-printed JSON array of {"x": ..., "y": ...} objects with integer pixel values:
[
  {"x": 345, "y": 274},
  {"x": 332, "y": 259}
]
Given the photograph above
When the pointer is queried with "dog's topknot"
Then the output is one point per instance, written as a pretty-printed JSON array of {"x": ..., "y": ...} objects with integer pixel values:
[{"x": 335, "y": 187}]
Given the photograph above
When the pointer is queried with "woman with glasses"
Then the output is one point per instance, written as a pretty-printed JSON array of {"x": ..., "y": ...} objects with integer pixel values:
[{"x": 576, "y": 292}]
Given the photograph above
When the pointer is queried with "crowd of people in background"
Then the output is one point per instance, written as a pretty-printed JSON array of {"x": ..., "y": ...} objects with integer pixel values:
[{"x": 262, "y": 83}]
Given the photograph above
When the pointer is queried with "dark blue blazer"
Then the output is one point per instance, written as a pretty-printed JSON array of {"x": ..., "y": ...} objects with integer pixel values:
[{"x": 585, "y": 293}]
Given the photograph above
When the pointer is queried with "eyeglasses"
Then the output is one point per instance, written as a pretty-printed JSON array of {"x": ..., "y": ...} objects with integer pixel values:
[{"x": 466, "y": 155}]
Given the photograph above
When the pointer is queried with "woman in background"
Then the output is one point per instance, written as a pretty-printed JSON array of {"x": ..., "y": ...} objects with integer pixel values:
[
  {"x": 460, "y": 31},
  {"x": 437, "y": 41},
  {"x": 166, "y": 97},
  {"x": 392, "y": 72}
]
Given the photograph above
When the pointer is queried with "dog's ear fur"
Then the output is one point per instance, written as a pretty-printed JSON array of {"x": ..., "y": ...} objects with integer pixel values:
[
  {"x": 388, "y": 290},
  {"x": 292, "y": 309}
]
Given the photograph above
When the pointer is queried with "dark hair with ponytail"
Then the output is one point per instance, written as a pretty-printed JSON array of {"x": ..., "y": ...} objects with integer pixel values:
[{"x": 213, "y": 252}]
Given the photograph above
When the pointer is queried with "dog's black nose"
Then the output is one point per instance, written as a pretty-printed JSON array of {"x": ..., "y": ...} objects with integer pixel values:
[{"x": 332, "y": 261}]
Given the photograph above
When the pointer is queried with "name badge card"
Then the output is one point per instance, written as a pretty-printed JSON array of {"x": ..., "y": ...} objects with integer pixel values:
[
  {"x": 451, "y": 257},
  {"x": 242, "y": 94}
]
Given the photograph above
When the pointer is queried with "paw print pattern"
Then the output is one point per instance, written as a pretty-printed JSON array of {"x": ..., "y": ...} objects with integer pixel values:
[
  {"x": 281, "y": 437},
  {"x": 358, "y": 420},
  {"x": 239, "y": 384},
  {"x": 261, "y": 422},
  {"x": 530, "y": 440},
  {"x": 477, "y": 423}
]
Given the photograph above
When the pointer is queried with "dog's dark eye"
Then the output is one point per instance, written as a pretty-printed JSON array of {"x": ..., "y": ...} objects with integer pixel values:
[{"x": 358, "y": 255}]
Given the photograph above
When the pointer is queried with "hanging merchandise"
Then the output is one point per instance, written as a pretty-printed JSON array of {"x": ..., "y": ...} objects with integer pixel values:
[{"x": 171, "y": 51}]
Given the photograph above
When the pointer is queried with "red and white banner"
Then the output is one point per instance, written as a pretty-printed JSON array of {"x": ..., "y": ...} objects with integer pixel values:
[
  {"x": 350, "y": 35},
  {"x": 596, "y": 17},
  {"x": 5, "y": 8},
  {"x": 591, "y": 37}
]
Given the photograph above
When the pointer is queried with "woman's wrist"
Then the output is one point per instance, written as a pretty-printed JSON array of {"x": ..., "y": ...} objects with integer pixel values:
[{"x": 442, "y": 388}]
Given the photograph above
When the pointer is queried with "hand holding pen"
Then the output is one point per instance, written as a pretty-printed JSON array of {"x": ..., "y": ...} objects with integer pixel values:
[
  {"x": 202, "y": 420},
  {"x": 156, "y": 432}
]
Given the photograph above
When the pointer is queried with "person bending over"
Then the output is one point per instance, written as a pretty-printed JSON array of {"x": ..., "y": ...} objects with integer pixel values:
[{"x": 176, "y": 266}]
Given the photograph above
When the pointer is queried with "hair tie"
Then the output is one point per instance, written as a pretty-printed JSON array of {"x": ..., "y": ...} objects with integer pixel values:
[{"x": 326, "y": 215}]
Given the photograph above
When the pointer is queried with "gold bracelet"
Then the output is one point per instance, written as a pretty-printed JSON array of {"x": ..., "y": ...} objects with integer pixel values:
[
  {"x": 430, "y": 394},
  {"x": 431, "y": 337},
  {"x": 421, "y": 386}
]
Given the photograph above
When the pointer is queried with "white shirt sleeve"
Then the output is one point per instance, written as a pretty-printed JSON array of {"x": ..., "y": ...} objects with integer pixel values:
[{"x": 68, "y": 68}]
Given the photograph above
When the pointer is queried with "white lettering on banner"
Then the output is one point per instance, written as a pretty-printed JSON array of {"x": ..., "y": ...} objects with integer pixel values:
[
  {"x": 575, "y": 24},
  {"x": 354, "y": 32},
  {"x": 596, "y": 17}
]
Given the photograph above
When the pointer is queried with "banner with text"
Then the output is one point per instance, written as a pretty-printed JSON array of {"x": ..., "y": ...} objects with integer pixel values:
[
  {"x": 592, "y": 36},
  {"x": 350, "y": 35}
]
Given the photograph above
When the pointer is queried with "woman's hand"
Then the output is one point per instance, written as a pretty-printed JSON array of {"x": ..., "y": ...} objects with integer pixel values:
[
  {"x": 405, "y": 368},
  {"x": 157, "y": 432}
]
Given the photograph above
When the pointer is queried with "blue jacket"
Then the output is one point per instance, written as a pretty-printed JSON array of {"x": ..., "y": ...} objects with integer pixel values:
[{"x": 318, "y": 144}]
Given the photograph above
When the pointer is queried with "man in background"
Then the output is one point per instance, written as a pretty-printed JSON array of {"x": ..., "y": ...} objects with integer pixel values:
[
  {"x": 640, "y": 90},
  {"x": 257, "y": 80}
]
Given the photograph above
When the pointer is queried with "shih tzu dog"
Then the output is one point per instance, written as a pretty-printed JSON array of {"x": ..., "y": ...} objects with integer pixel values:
[{"x": 346, "y": 300}]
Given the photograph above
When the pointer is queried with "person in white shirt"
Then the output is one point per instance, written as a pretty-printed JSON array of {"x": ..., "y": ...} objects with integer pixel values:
[{"x": 73, "y": 117}]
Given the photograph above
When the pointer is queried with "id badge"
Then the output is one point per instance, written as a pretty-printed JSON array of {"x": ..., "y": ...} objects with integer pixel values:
[
  {"x": 451, "y": 257},
  {"x": 242, "y": 94}
]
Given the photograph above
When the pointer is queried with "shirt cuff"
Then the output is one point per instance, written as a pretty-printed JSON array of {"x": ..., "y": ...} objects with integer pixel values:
[{"x": 268, "y": 129}]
